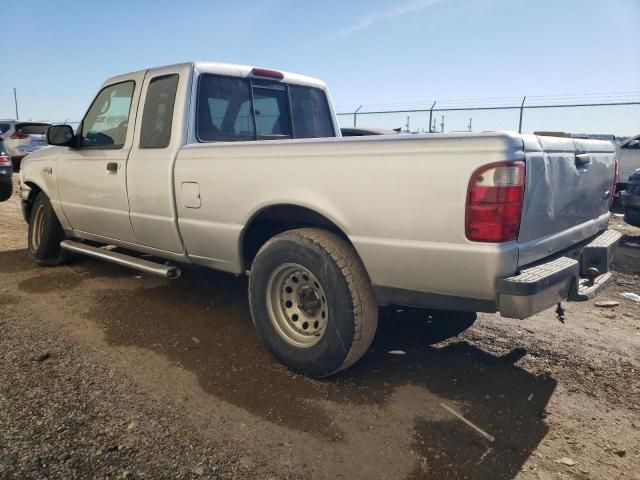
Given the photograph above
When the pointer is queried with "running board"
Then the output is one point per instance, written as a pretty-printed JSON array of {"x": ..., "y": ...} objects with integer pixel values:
[{"x": 165, "y": 271}]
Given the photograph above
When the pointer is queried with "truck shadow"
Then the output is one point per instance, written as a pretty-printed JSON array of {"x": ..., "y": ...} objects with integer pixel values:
[{"x": 203, "y": 324}]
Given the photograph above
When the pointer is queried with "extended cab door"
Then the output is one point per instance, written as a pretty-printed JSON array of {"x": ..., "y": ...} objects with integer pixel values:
[
  {"x": 161, "y": 129},
  {"x": 92, "y": 177}
]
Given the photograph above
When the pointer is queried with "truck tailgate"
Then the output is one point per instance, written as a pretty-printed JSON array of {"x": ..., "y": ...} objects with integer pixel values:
[{"x": 567, "y": 193}]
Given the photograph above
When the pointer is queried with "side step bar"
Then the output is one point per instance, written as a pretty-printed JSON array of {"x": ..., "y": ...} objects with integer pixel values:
[{"x": 166, "y": 271}]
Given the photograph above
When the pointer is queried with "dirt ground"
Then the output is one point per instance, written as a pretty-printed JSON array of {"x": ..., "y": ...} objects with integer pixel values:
[{"x": 106, "y": 373}]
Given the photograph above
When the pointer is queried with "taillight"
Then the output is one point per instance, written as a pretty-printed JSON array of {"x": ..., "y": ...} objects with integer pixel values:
[
  {"x": 494, "y": 202},
  {"x": 5, "y": 159},
  {"x": 19, "y": 135}
]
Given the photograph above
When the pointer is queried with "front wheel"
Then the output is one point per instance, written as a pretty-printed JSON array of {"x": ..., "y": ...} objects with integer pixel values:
[
  {"x": 45, "y": 233},
  {"x": 312, "y": 302}
]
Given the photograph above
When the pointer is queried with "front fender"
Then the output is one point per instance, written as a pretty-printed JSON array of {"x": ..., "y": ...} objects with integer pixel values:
[{"x": 38, "y": 174}]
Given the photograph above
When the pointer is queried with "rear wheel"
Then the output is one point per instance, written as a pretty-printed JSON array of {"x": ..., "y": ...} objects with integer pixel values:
[
  {"x": 312, "y": 302},
  {"x": 45, "y": 233}
]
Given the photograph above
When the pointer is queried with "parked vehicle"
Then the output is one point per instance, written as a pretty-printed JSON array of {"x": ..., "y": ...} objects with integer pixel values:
[
  {"x": 362, "y": 132},
  {"x": 631, "y": 200},
  {"x": 6, "y": 173},
  {"x": 243, "y": 170},
  {"x": 22, "y": 138},
  {"x": 629, "y": 159}
]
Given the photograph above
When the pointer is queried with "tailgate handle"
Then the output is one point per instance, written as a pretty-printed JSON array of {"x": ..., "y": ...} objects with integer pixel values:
[{"x": 582, "y": 159}]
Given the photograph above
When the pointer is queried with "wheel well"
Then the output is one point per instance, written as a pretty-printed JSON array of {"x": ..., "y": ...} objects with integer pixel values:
[
  {"x": 277, "y": 219},
  {"x": 35, "y": 190}
]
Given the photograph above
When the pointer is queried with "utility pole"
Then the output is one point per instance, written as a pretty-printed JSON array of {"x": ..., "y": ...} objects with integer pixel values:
[
  {"x": 15, "y": 100},
  {"x": 442, "y": 125},
  {"x": 469, "y": 126},
  {"x": 408, "y": 120}
]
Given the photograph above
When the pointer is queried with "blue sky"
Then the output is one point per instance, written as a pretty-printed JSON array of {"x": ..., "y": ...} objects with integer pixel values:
[{"x": 57, "y": 53}]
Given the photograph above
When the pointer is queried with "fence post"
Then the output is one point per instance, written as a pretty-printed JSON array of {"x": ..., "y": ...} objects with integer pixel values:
[
  {"x": 355, "y": 115},
  {"x": 521, "y": 111},
  {"x": 431, "y": 116}
]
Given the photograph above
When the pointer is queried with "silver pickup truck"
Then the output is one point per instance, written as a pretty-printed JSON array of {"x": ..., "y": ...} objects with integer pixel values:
[{"x": 243, "y": 169}]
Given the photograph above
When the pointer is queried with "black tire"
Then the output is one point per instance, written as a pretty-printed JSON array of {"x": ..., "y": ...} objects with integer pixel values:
[
  {"x": 45, "y": 233},
  {"x": 352, "y": 316},
  {"x": 6, "y": 189},
  {"x": 632, "y": 216}
]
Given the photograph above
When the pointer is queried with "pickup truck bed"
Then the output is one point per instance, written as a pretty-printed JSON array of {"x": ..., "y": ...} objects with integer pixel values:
[{"x": 493, "y": 221}]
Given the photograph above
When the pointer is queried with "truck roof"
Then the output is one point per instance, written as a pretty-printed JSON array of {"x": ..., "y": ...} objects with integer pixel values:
[{"x": 230, "y": 69}]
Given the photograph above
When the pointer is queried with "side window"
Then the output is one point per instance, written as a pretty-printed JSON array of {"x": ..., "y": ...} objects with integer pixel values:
[
  {"x": 107, "y": 120},
  {"x": 4, "y": 127},
  {"x": 633, "y": 145},
  {"x": 310, "y": 110},
  {"x": 157, "y": 116},
  {"x": 224, "y": 109}
]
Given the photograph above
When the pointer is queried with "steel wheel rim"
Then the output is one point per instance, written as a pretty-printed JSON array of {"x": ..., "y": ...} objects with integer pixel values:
[
  {"x": 38, "y": 227},
  {"x": 297, "y": 305}
]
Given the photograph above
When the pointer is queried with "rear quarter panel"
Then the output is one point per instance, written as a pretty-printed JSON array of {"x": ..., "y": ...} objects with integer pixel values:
[{"x": 400, "y": 200}]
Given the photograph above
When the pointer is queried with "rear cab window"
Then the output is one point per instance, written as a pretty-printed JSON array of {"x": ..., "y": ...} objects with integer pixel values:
[
  {"x": 241, "y": 109},
  {"x": 32, "y": 128}
]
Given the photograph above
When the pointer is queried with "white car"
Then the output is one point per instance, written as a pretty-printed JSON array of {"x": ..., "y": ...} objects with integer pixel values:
[
  {"x": 21, "y": 138},
  {"x": 628, "y": 159}
]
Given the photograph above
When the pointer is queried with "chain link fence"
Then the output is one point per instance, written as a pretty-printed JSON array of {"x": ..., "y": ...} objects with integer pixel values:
[
  {"x": 610, "y": 116},
  {"x": 602, "y": 115}
]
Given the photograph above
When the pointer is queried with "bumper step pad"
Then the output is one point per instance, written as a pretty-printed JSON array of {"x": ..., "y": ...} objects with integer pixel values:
[{"x": 535, "y": 279}]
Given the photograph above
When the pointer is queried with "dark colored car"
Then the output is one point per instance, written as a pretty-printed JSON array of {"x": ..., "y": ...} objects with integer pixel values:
[
  {"x": 631, "y": 200},
  {"x": 364, "y": 132},
  {"x": 6, "y": 172}
]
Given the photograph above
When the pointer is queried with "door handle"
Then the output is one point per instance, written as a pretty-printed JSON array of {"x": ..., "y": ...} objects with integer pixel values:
[
  {"x": 112, "y": 167},
  {"x": 582, "y": 159}
]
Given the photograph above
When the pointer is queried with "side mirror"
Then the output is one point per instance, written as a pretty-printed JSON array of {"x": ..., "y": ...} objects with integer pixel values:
[{"x": 60, "y": 135}]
